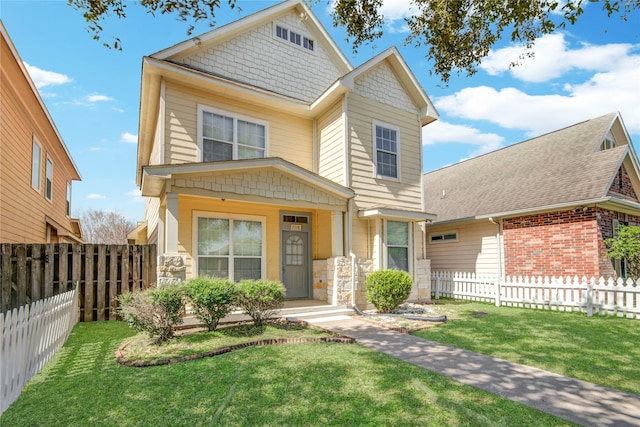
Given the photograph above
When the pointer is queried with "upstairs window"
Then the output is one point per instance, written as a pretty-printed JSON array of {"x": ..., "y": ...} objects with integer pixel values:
[
  {"x": 293, "y": 37},
  {"x": 36, "y": 165},
  {"x": 49, "y": 183},
  {"x": 386, "y": 143},
  {"x": 608, "y": 142},
  {"x": 224, "y": 137}
]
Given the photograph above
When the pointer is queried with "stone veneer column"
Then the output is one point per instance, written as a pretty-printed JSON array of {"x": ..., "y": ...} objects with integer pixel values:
[
  {"x": 172, "y": 269},
  {"x": 421, "y": 289}
]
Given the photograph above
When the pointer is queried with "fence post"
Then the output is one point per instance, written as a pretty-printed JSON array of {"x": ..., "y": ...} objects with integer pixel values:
[
  {"x": 589, "y": 299},
  {"x": 438, "y": 286},
  {"x": 497, "y": 291}
]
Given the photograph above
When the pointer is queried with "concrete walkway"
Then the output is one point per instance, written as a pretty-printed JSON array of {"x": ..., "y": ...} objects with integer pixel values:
[{"x": 574, "y": 400}]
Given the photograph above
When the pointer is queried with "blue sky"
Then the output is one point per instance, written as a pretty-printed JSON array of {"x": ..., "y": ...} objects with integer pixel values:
[{"x": 92, "y": 93}]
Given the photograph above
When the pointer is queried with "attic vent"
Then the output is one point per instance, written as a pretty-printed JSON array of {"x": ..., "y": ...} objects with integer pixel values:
[{"x": 293, "y": 37}]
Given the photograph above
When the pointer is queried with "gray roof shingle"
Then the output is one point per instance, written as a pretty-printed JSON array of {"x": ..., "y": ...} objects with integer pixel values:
[{"x": 559, "y": 167}]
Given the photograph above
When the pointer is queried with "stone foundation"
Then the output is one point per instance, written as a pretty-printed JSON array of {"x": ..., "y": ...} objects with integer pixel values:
[{"x": 172, "y": 269}]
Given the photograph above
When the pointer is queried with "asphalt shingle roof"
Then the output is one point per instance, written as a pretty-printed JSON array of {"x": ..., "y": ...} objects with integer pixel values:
[{"x": 558, "y": 167}]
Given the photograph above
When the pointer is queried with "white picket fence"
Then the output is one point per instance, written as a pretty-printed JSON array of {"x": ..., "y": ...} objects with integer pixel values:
[
  {"x": 601, "y": 296},
  {"x": 30, "y": 337}
]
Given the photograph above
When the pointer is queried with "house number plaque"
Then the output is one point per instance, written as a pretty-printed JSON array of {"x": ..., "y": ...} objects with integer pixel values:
[{"x": 296, "y": 227}]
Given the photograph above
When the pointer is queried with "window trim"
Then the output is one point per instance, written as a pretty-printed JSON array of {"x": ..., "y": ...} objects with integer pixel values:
[
  {"x": 48, "y": 162},
  {"x": 307, "y": 44},
  {"x": 37, "y": 170},
  {"x": 232, "y": 217},
  {"x": 387, "y": 246},
  {"x": 443, "y": 234},
  {"x": 67, "y": 207},
  {"x": 235, "y": 116},
  {"x": 376, "y": 174}
]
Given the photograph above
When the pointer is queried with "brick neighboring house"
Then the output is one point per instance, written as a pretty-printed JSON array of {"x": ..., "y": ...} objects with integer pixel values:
[
  {"x": 36, "y": 169},
  {"x": 263, "y": 153},
  {"x": 542, "y": 207}
]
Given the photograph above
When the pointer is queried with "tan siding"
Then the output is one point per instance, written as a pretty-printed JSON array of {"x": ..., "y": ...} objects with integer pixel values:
[
  {"x": 405, "y": 193},
  {"x": 289, "y": 137},
  {"x": 361, "y": 239},
  {"x": 23, "y": 209},
  {"x": 475, "y": 250},
  {"x": 331, "y": 142},
  {"x": 321, "y": 240}
]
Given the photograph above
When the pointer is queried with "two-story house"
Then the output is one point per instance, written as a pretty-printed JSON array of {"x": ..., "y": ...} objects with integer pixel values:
[
  {"x": 263, "y": 153},
  {"x": 36, "y": 169}
]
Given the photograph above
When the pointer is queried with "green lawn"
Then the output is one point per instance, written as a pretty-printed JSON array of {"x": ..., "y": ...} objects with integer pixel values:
[
  {"x": 292, "y": 385},
  {"x": 600, "y": 349}
]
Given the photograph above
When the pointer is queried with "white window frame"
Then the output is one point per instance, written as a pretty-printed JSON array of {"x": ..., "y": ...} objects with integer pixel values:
[
  {"x": 608, "y": 142},
  {"x": 386, "y": 245},
  {"x": 48, "y": 178},
  {"x": 68, "y": 203},
  {"x": 443, "y": 234},
  {"x": 36, "y": 169},
  {"x": 307, "y": 44},
  {"x": 396, "y": 129},
  {"x": 234, "y": 156},
  {"x": 231, "y": 217}
]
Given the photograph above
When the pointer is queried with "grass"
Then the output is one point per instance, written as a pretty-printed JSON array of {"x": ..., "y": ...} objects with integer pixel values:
[
  {"x": 600, "y": 349},
  {"x": 297, "y": 384}
]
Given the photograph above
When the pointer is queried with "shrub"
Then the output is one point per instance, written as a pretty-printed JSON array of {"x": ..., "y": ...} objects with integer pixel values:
[
  {"x": 260, "y": 299},
  {"x": 154, "y": 311},
  {"x": 387, "y": 289},
  {"x": 212, "y": 299}
]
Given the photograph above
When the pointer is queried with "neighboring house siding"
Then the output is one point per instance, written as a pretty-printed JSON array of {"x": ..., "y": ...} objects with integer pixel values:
[
  {"x": 381, "y": 84},
  {"x": 151, "y": 214},
  {"x": 260, "y": 59},
  {"x": 404, "y": 193},
  {"x": 22, "y": 208},
  {"x": 289, "y": 137},
  {"x": 475, "y": 251},
  {"x": 332, "y": 145},
  {"x": 553, "y": 244},
  {"x": 622, "y": 187}
]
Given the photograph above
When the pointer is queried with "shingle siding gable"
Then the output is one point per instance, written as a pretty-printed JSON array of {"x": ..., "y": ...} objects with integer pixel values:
[
  {"x": 258, "y": 58},
  {"x": 381, "y": 84}
]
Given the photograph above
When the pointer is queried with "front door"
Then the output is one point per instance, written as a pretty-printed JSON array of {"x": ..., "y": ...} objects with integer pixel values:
[{"x": 295, "y": 263}]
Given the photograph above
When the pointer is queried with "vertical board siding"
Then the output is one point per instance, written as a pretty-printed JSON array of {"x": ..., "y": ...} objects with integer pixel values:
[
  {"x": 31, "y": 272},
  {"x": 593, "y": 296}
]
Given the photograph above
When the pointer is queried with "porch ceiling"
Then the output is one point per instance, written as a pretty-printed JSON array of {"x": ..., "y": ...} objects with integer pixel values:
[{"x": 393, "y": 213}]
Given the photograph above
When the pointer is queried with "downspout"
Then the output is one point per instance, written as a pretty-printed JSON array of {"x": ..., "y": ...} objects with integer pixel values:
[{"x": 498, "y": 246}]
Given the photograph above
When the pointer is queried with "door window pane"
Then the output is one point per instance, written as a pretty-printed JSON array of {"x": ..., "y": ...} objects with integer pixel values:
[{"x": 294, "y": 250}]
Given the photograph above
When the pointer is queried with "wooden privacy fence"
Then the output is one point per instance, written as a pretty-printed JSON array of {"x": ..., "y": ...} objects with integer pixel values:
[
  {"x": 31, "y": 335},
  {"x": 601, "y": 296},
  {"x": 30, "y": 272}
]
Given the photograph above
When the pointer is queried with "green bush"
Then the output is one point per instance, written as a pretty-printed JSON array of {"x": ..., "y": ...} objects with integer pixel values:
[
  {"x": 212, "y": 299},
  {"x": 260, "y": 299},
  {"x": 154, "y": 311},
  {"x": 387, "y": 289}
]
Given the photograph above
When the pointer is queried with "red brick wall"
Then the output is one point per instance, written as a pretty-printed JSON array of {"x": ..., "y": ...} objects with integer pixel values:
[
  {"x": 621, "y": 186},
  {"x": 563, "y": 243}
]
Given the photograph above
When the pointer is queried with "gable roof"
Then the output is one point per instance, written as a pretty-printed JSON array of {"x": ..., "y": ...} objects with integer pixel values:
[
  {"x": 557, "y": 169},
  {"x": 34, "y": 89}
]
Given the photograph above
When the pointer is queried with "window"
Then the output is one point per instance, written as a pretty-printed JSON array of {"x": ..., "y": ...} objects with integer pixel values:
[
  {"x": 608, "y": 142},
  {"x": 293, "y": 37},
  {"x": 49, "y": 177},
  {"x": 68, "y": 206},
  {"x": 386, "y": 142},
  {"x": 398, "y": 245},
  {"x": 223, "y": 137},
  {"x": 36, "y": 162},
  {"x": 445, "y": 236},
  {"x": 230, "y": 247}
]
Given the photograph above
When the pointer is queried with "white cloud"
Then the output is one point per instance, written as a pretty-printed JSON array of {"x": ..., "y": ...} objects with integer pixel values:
[
  {"x": 135, "y": 196},
  {"x": 441, "y": 132},
  {"x": 554, "y": 58},
  {"x": 129, "y": 138},
  {"x": 98, "y": 98},
  {"x": 94, "y": 148},
  {"x": 96, "y": 196},
  {"x": 42, "y": 78}
]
